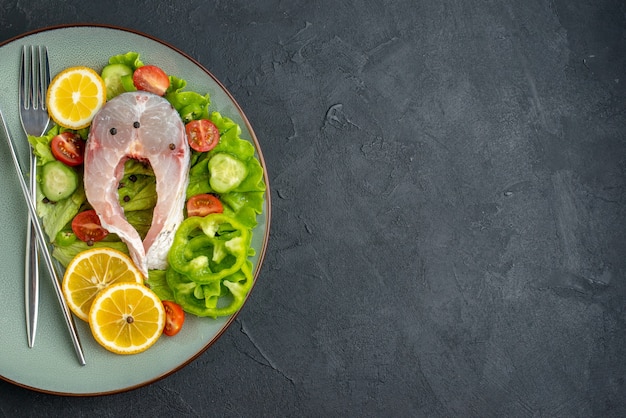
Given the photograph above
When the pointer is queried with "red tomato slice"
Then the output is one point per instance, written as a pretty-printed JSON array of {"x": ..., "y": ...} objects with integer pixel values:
[
  {"x": 202, "y": 135},
  {"x": 203, "y": 204},
  {"x": 69, "y": 148},
  {"x": 86, "y": 225},
  {"x": 174, "y": 318},
  {"x": 152, "y": 79}
]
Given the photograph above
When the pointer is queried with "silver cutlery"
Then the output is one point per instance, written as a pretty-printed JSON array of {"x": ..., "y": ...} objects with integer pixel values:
[
  {"x": 34, "y": 80},
  {"x": 43, "y": 248}
]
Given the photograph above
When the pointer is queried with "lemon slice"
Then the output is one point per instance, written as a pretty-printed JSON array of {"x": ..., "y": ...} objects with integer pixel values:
[
  {"x": 92, "y": 271},
  {"x": 74, "y": 97},
  {"x": 127, "y": 318}
]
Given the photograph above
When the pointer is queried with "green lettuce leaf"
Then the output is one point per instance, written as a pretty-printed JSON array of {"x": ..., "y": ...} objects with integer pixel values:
[
  {"x": 65, "y": 254},
  {"x": 137, "y": 190},
  {"x": 189, "y": 104},
  {"x": 130, "y": 59},
  {"x": 156, "y": 281},
  {"x": 55, "y": 216},
  {"x": 141, "y": 220}
]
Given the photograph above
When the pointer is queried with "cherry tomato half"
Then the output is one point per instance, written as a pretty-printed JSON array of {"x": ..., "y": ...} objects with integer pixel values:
[
  {"x": 152, "y": 79},
  {"x": 86, "y": 225},
  {"x": 69, "y": 148},
  {"x": 174, "y": 318},
  {"x": 203, "y": 204},
  {"x": 202, "y": 135}
]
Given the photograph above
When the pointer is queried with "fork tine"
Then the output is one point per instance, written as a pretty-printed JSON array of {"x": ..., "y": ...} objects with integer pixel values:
[
  {"x": 24, "y": 87},
  {"x": 38, "y": 71},
  {"x": 33, "y": 88},
  {"x": 34, "y": 77},
  {"x": 44, "y": 76}
]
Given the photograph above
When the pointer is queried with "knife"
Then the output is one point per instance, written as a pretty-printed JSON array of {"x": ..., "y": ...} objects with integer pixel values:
[{"x": 69, "y": 320}]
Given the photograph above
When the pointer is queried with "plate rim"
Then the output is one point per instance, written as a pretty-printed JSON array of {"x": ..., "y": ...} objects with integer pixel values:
[{"x": 267, "y": 209}]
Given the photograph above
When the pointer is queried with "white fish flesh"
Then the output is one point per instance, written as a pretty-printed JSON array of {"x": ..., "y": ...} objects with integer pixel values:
[{"x": 145, "y": 127}]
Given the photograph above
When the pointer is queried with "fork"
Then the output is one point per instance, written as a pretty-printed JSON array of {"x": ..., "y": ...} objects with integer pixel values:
[
  {"x": 34, "y": 80},
  {"x": 33, "y": 85}
]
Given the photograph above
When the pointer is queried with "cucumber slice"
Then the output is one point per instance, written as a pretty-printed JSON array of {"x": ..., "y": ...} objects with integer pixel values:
[
  {"x": 112, "y": 75},
  {"x": 226, "y": 172},
  {"x": 58, "y": 181}
]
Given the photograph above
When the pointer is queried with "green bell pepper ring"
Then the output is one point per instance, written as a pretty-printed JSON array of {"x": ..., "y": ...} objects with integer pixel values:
[
  {"x": 218, "y": 298},
  {"x": 65, "y": 237},
  {"x": 209, "y": 248}
]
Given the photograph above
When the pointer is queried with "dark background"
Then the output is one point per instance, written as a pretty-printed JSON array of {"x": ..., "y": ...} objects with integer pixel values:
[{"x": 449, "y": 198}]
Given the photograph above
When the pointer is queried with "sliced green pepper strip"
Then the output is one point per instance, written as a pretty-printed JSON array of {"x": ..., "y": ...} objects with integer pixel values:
[
  {"x": 218, "y": 298},
  {"x": 209, "y": 248}
]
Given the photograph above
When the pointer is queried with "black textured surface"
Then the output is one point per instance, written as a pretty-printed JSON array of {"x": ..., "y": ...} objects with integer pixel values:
[{"x": 449, "y": 200}]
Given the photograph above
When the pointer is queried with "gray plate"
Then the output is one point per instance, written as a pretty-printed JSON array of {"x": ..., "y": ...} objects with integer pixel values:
[{"x": 51, "y": 366}]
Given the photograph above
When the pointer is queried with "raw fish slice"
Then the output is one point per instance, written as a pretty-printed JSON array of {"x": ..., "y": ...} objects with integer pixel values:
[{"x": 146, "y": 127}]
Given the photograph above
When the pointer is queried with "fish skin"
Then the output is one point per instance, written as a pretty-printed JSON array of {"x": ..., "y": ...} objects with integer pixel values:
[{"x": 159, "y": 140}]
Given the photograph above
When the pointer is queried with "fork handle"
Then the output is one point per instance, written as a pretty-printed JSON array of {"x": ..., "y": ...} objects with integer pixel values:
[{"x": 31, "y": 269}]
